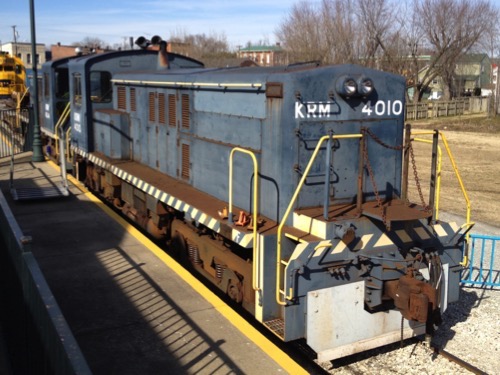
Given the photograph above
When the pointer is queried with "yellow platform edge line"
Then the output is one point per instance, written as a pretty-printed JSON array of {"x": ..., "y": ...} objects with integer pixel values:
[{"x": 281, "y": 358}]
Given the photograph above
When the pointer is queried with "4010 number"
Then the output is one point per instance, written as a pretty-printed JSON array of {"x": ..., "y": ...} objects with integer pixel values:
[{"x": 384, "y": 108}]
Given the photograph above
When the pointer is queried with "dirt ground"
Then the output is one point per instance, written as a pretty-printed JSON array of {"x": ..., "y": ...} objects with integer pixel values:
[{"x": 475, "y": 144}]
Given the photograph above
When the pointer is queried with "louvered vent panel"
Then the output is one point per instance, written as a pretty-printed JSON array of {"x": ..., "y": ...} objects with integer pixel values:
[
  {"x": 185, "y": 111},
  {"x": 133, "y": 101},
  {"x": 162, "y": 118},
  {"x": 122, "y": 98},
  {"x": 185, "y": 162},
  {"x": 152, "y": 107},
  {"x": 172, "y": 112}
]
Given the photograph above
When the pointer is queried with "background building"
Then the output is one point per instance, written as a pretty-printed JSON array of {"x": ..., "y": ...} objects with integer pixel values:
[
  {"x": 23, "y": 51},
  {"x": 264, "y": 55}
]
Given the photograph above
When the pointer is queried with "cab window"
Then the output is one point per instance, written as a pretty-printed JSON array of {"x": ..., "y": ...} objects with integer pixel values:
[{"x": 100, "y": 87}]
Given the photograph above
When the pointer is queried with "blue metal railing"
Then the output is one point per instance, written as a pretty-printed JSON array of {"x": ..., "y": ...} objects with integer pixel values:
[
  {"x": 16, "y": 136},
  {"x": 483, "y": 269}
]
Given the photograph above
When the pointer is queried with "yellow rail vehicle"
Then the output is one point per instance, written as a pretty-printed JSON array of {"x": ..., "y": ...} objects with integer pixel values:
[{"x": 12, "y": 75}]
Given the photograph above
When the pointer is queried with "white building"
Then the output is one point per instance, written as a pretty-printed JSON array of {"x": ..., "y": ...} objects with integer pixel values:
[{"x": 23, "y": 51}]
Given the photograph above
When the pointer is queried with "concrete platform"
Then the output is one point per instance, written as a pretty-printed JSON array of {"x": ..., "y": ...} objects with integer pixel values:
[{"x": 131, "y": 308}]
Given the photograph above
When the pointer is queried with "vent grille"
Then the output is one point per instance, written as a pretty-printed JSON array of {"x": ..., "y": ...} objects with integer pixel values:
[
  {"x": 133, "y": 101},
  {"x": 185, "y": 162},
  {"x": 122, "y": 98},
  {"x": 162, "y": 118},
  {"x": 152, "y": 107},
  {"x": 172, "y": 113},
  {"x": 185, "y": 111}
]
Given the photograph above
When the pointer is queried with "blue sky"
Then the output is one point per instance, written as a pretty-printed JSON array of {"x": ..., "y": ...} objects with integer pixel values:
[{"x": 68, "y": 21}]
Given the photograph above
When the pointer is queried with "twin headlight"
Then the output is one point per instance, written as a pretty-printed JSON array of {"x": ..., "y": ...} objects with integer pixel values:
[{"x": 350, "y": 86}]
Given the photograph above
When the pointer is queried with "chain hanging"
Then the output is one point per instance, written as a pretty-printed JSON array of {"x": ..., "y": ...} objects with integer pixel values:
[
  {"x": 381, "y": 142},
  {"x": 372, "y": 177},
  {"x": 417, "y": 180}
]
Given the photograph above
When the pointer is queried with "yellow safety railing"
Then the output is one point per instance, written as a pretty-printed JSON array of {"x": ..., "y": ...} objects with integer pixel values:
[
  {"x": 256, "y": 250},
  {"x": 468, "y": 223},
  {"x": 20, "y": 99},
  {"x": 62, "y": 119},
  {"x": 68, "y": 144},
  {"x": 279, "y": 261}
]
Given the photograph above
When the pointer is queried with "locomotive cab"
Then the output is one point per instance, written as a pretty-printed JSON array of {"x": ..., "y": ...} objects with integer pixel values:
[{"x": 54, "y": 98}]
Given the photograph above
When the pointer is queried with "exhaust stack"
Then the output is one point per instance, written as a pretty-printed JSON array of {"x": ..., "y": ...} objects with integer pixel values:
[{"x": 163, "y": 56}]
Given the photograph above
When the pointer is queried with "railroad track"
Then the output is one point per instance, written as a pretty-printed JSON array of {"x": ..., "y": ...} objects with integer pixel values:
[
  {"x": 414, "y": 357},
  {"x": 464, "y": 364}
]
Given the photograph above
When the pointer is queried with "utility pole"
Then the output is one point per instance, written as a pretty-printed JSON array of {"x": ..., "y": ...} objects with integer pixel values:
[
  {"x": 37, "y": 140},
  {"x": 15, "y": 39}
]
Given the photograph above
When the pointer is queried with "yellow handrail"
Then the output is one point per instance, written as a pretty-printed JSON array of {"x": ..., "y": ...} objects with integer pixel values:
[
  {"x": 256, "y": 259},
  {"x": 20, "y": 99},
  {"x": 68, "y": 144},
  {"x": 468, "y": 222},
  {"x": 279, "y": 261},
  {"x": 62, "y": 119}
]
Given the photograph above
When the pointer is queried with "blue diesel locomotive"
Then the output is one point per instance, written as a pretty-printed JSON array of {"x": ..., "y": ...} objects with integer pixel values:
[{"x": 287, "y": 187}]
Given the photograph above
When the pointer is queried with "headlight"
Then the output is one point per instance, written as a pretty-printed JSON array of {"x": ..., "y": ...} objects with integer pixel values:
[
  {"x": 365, "y": 86},
  {"x": 346, "y": 86}
]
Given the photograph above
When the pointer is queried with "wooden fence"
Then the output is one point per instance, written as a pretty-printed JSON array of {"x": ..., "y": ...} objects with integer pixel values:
[{"x": 436, "y": 108}]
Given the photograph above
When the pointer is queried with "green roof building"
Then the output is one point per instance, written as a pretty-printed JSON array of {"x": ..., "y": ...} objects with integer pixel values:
[{"x": 264, "y": 55}]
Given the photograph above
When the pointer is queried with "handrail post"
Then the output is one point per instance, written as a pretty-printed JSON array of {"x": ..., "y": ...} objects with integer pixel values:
[
  {"x": 432, "y": 189},
  {"x": 326, "y": 201},
  {"x": 406, "y": 163},
  {"x": 361, "y": 170}
]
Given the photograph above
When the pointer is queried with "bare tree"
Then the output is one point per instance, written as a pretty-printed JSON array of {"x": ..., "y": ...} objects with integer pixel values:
[
  {"x": 91, "y": 42},
  {"x": 375, "y": 17},
  {"x": 341, "y": 32},
  {"x": 451, "y": 28},
  {"x": 412, "y": 45},
  {"x": 212, "y": 49},
  {"x": 203, "y": 44},
  {"x": 301, "y": 33}
]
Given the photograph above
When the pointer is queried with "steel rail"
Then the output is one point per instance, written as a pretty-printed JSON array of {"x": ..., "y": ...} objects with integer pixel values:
[{"x": 458, "y": 361}]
